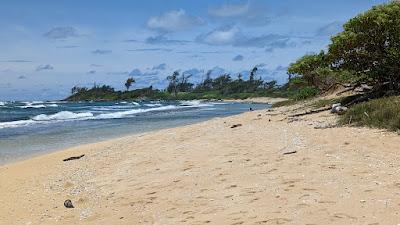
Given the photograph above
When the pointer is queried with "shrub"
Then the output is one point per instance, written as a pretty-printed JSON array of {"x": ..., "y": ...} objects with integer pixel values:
[{"x": 378, "y": 113}]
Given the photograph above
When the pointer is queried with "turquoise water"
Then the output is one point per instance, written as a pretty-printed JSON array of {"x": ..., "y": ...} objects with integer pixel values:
[{"x": 33, "y": 128}]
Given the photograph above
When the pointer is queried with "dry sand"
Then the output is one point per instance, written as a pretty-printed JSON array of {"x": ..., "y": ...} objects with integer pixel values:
[{"x": 210, "y": 173}]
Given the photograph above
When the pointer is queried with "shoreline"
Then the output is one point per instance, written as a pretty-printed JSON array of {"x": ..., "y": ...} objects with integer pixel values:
[
  {"x": 213, "y": 172},
  {"x": 26, "y": 155},
  {"x": 257, "y": 100}
]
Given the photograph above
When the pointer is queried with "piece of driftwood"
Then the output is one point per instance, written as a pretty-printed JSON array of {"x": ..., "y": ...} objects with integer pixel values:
[
  {"x": 311, "y": 112},
  {"x": 290, "y": 152},
  {"x": 73, "y": 158},
  {"x": 236, "y": 125}
]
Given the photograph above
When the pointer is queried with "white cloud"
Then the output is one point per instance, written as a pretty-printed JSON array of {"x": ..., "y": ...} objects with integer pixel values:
[
  {"x": 250, "y": 13},
  {"x": 176, "y": 20},
  {"x": 220, "y": 36}
]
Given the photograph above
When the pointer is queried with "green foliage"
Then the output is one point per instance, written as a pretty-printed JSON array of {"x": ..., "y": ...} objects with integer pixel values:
[
  {"x": 370, "y": 45},
  {"x": 305, "y": 93},
  {"x": 315, "y": 70},
  {"x": 379, "y": 113},
  {"x": 307, "y": 67}
]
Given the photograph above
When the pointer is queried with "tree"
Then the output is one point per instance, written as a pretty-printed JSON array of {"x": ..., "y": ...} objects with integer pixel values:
[
  {"x": 221, "y": 83},
  {"x": 184, "y": 85},
  {"x": 129, "y": 83},
  {"x": 173, "y": 82},
  {"x": 370, "y": 46},
  {"x": 253, "y": 74},
  {"x": 252, "y": 83},
  {"x": 307, "y": 67}
]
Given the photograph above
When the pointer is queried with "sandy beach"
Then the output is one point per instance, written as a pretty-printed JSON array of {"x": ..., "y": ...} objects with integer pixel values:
[{"x": 211, "y": 173}]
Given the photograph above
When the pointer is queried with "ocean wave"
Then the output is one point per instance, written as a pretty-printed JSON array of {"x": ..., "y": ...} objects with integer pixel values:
[
  {"x": 64, "y": 115},
  {"x": 122, "y": 114},
  {"x": 30, "y": 106},
  {"x": 33, "y": 102},
  {"x": 3, "y": 103},
  {"x": 194, "y": 103},
  {"x": 135, "y": 103},
  {"x": 93, "y": 115},
  {"x": 18, "y": 123},
  {"x": 153, "y": 105}
]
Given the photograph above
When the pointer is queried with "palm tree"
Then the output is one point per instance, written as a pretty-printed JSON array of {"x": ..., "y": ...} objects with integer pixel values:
[
  {"x": 129, "y": 83},
  {"x": 173, "y": 81}
]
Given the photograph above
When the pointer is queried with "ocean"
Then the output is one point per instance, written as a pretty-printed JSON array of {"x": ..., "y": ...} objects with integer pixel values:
[{"x": 37, "y": 127}]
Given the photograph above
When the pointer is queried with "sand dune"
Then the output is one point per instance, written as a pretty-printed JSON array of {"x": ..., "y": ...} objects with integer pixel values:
[{"x": 210, "y": 173}]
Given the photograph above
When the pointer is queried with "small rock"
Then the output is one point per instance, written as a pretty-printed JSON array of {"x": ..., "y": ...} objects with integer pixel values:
[{"x": 68, "y": 204}]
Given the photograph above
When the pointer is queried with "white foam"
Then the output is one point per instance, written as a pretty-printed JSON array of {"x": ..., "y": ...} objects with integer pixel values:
[
  {"x": 18, "y": 123},
  {"x": 118, "y": 115},
  {"x": 64, "y": 115},
  {"x": 33, "y": 102},
  {"x": 30, "y": 106},
  {"x": 153, "y": 105},
  {"x": 52, "y": 105},
  {"x": 194, "y": 103},
  {"x": 135, "y": 103},
  {"x": 2, "y": 103}
]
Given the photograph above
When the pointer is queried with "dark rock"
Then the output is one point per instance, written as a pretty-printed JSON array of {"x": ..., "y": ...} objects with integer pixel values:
[
  {"x": 68, "y": 204},
  {"x": 236, "y": 125}
]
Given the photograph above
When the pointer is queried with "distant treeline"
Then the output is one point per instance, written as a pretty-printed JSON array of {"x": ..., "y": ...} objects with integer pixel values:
[{"x": 180, "y": 87}]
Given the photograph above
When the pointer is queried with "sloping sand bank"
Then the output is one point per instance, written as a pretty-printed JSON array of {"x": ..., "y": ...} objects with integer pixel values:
[{"x": 210, "y": 173}]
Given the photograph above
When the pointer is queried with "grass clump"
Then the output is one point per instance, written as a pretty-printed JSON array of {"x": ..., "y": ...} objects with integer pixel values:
[{"x": 381, "y": 113}]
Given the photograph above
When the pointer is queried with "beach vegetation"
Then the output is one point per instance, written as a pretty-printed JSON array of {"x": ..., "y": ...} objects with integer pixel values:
[{"x": 379, "y": 113}]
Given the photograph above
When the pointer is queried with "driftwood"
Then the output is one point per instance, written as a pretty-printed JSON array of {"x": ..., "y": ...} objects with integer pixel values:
[
  {"x": 311, "y": 112},
  {"x": 289, "y": 153},
  {"x": 236, "y": 125},
  {"x": 73, "y": 158}
]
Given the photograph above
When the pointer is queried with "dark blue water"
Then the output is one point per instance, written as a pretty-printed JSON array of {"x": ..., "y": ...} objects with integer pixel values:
[{"x": 32, "y": 128}]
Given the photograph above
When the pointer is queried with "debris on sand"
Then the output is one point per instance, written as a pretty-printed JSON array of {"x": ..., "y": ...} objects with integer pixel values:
[
  {"x": 236, "y": 125},
  {"x": 290, "y": 152},
  {"x": 73, "y": 158},
  {"x": 338, "y": 109},
  {"x": 68, "y": 204}
]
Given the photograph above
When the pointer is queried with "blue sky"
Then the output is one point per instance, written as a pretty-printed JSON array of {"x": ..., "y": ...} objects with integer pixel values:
[{"x": 49, "y": 46}]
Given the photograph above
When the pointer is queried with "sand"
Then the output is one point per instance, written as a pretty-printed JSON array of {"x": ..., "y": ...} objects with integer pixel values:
[
  {"x": 265, "y": 100},
  {"x": 210, "y": 173}
]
